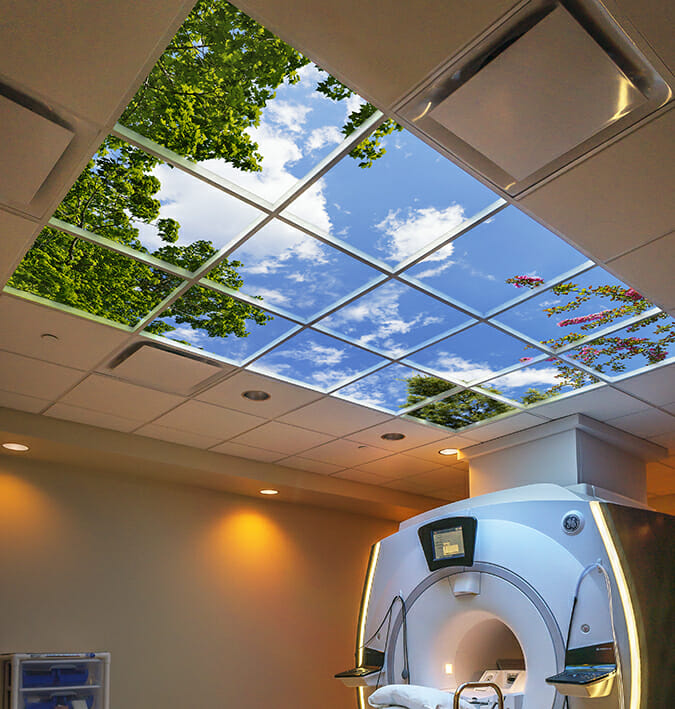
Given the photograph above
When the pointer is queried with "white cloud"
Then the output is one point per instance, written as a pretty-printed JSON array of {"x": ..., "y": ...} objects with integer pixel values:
[
  {"x": 325, "y": 135},
  {"x": 456, "y": 367},
  {"x": 405, "y": 234},
  {"x": 433, "y": 272},
  {"x": 273, "y": 296},
  {"x": 291, "y": 116},
  {"x": 353, "y": 103},
  {"x": 529, "y": 376},
  {"x": 381, "y": 309}
]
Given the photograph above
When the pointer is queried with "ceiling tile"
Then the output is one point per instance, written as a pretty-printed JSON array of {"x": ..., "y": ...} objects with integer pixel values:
[
  {"x": 654, "y": 19},
  {"x": 96, "y": 64},
  {"x": 416, "y": 434},
  {"x": 81, "y": 343},
  {"x": 660, "y": 479},
  {"x": 335, "y": 417},
  {"x": 390, "y": 49},
  {"x": 176, "y": 435},
  {"x": 502, "y": 427},
  {"x": 20, "y": 402},
  {"x": 667, "y": 440},
  {"x": 283, "y": 396},
  {"x": 631, "y": 170},
  {"x": 17, "y": 236},
  {"x": 311, "y": 466},
  {"x": 657, "y": 386},
  {"x": 91, "y": 418},
  {"x": 442, "y": 478},
  {"x": 360, "y": 476},
  {"x": 670, "y": 408},
  {"x": 169, "y": 371},
  {"x": 208, "y": 420},
  {"x": 652, "y": 265},
  {"x": 451, "y": 494},
  {"x": 646, "y": 424},
  {"x": 283, "y": 438},
  {"x": 407, "y": 485},
  {"x": 601, "y": 404},
  {"x": 397, "y": 466},
  {"x": 345, "y": 453},
  {"x": 249, "y": 452},
  {"x": 128, "y": 401},
  {"x": 31, "y": 377}
]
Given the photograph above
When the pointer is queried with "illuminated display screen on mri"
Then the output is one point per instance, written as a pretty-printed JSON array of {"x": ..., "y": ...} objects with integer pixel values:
[{"x": 448, "y": 543}]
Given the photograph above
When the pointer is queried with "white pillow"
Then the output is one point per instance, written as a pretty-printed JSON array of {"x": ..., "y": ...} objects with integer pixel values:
[{"x": 413, "y": 696}]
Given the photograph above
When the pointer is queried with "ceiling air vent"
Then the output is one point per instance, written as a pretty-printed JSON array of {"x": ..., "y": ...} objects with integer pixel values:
[
  {"x": 541, "y": 90},
  {"x": 31, "y": 146},
  {"x": 163, "y": 369}
]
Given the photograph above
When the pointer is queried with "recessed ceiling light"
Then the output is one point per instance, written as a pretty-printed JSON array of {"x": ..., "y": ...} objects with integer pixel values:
[
  {"x": 392, "y": 436},
  {"x": 448, "y": 451},
  {"x": 269, "y": 491},
  {"x": 15, "y": 447},
  {"x": 256, "y": 395}
]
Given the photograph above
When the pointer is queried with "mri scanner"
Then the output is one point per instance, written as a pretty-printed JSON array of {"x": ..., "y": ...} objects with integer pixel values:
[{"x": 537, "y": 597}]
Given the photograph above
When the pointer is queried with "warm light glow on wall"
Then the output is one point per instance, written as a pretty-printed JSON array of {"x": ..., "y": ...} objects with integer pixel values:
[
  {"x": 363, "y": 617},
  {"x": 627, "y": 605},
  {"x": 26, "y": 511},
  {"x": 448, "y": 668},
  {"x": 243, "y": 539}
]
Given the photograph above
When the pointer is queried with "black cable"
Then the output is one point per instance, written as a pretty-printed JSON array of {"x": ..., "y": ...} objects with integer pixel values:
[{"x": 387, "y": 619}]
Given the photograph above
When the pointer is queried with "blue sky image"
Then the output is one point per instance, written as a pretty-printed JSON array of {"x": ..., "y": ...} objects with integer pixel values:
[
  {"x": 411, "y": 200},
  {"x": 376, "y": 275}
]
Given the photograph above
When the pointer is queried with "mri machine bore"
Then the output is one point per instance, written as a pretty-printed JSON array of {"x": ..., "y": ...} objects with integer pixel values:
[{"x": 532, "y": 598}]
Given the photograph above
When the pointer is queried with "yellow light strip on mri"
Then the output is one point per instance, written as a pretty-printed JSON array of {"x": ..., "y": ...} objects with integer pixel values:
[
  {"x": 363, "y": 616},
  {"x": 627, "y": 604}
]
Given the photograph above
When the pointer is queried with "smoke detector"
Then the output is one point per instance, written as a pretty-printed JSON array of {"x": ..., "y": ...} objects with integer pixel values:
[{"x": 543, "y": 88}]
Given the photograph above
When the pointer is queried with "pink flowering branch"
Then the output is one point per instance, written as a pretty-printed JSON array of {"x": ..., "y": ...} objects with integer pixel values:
[
  {"x": 610, "y": 353},
  {"x": 526, "y": 281},
  {"x": 584, "y": 318}
]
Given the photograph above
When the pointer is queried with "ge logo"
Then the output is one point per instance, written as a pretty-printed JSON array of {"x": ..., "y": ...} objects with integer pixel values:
[{"x": 573, "y": 522}]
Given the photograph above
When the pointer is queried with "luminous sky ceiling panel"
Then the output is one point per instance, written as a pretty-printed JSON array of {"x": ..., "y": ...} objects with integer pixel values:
[
  {"x": 473, "y": 355},
  {"x": 195, "y": 331},
  {"x": 297, "y": 272},
  {"x": 408, "y": 198},
  {"x": 316, "y": 359},
  {"x": 624, "y": 351},
  {"x": 463, "y": 409},
  {"x": 209, "y": 219},
  {"x": 475, "y": 268},
  {"x": 584, "y": 304},
  {"x": 389, "y": 388},
  {"x": 73, "y": 272},
  {"x": 320, "y": 279},
  {"x": 394, "y": 319},
  {"x": 539, "y": 381}
]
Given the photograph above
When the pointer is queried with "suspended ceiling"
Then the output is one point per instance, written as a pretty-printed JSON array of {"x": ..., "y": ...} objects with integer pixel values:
[{"x": 610, "y": 206}]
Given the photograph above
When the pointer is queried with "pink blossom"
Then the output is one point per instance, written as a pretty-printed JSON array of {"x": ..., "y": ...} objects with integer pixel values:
[
  {"x": 583, "y": 319},
  {"x": 632, "y": 294},
  {"x": 525, "y": 359},
  {"x": 526, "y": 281}
]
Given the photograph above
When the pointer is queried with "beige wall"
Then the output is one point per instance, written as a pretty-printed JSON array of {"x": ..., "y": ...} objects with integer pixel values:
[{"x": 204, "y": 599}]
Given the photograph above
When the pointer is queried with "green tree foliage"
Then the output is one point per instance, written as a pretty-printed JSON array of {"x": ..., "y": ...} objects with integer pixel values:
[
  {"x": 457, "y": 411},
  {"x": 370, "y": 149},
  {"x": 213, "y": 81},
  {"x": 114, "y": 193},
  {"x": 209, "y": 86}
]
